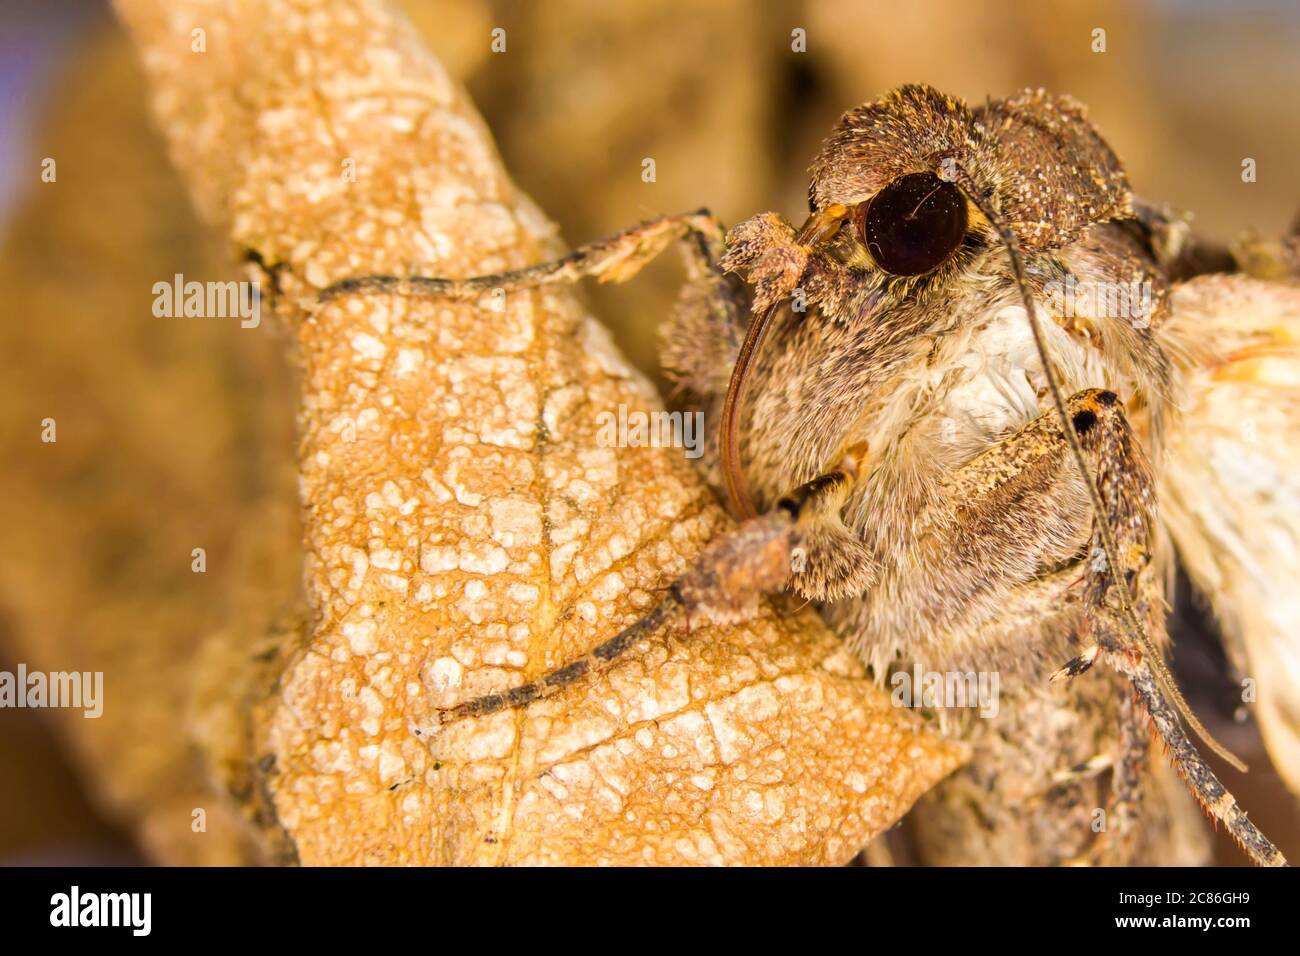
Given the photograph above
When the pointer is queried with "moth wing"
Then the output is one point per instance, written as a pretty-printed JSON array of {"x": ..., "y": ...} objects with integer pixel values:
[{"x": 1230, "y": 488}]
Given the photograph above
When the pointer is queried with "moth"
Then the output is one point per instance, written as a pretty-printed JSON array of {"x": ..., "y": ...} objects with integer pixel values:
[{"x": 968, "y": 463}]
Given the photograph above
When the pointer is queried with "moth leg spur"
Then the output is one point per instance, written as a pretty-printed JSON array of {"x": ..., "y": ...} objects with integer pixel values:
[{"x": 722, "y": 586}]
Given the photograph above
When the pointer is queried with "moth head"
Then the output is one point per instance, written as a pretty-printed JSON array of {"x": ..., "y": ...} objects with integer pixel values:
[
  {"x": 899, "y": 173},
  {"x": 909, "y": 187}
]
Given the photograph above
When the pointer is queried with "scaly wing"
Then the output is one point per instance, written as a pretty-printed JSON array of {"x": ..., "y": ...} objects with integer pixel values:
[{"x": 1230, "y": 487}]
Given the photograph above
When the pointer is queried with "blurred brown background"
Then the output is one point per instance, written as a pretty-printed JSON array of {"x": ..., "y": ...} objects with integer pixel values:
[{"x": 585, "y": 91}]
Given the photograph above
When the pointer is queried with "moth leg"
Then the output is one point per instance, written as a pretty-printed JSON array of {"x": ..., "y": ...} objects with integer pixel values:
[
  {"x": 1127, "y": 492},
  {"x": 614, "y": 259},
  {"x": 1210, "y": 793},
  {"x": 1098, "y": 763},
  {"x": 1006, "y": 520},
  {"x": 701, "y": 339},
  {"x": 723, "y": 586},
  {"x": 1127, "y": 786},
  {"x": 1026, "y": 478},
  {"x": 1116, "y": 845}
]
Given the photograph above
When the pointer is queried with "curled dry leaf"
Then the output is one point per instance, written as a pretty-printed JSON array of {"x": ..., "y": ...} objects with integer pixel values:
[{"x": 464, "y": 528}]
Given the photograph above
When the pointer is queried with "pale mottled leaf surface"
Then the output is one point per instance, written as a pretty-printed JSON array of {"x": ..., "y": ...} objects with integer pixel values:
[{"x": 463, "y": 527}]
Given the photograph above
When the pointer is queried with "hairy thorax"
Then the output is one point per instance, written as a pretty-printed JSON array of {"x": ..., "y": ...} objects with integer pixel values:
[{"x": 927, "y": 387}]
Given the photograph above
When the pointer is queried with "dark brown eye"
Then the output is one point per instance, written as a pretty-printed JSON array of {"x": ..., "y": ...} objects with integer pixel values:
[{"x": 913, "y": 224}]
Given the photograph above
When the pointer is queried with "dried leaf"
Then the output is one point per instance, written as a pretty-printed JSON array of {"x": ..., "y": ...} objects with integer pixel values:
[{"x": 463, "y": 526}]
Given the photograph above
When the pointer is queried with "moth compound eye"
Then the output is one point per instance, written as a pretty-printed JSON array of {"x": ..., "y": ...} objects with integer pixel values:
[{"x": 912, "y": 225}]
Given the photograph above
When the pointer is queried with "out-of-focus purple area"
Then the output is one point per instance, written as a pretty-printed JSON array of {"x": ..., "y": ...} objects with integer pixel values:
[{"x": 35, "y": 37}]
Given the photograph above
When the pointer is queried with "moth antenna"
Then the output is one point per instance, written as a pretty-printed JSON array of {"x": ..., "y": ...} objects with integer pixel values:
[{"x": 953, "y": 172}]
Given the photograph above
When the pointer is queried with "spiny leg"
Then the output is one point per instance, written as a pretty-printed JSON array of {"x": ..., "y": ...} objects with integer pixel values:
[
  {"x": 723, "y": 586},
  {"x": 993, "y": 512},
  {"x": 996, "y": 520},
  {"x": 1126, "y": 485},
  {"x": 614, "y": 259},
  {"x": 1212, "y": 795},
  {"x": 1072, "y": 432},
  {"x": 1022, "y": 469}
]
